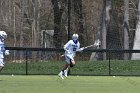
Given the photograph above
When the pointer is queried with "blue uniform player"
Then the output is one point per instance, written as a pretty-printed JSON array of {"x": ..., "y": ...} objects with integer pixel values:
[
  {"x": 3, "y": 36},
  {"x": 71, "y": 47}
]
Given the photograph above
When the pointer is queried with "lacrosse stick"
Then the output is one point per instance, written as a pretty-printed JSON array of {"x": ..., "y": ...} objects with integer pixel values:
[{"x": 96, "y": 43}]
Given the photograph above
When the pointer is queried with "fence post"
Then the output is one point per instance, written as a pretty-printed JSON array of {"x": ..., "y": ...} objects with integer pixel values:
[{"x": 26, "y": 55}]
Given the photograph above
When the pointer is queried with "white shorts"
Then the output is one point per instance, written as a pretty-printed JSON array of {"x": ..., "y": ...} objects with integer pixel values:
[
  {"x": 69, "y": 58},
  {"x": 1, "y": 62}
]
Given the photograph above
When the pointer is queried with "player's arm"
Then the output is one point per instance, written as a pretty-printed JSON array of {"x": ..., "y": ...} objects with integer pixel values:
[
  {"x": 66, "y": 47},
  {"x": 79, "y": 49},
  {"x": 6, "y": 52}
]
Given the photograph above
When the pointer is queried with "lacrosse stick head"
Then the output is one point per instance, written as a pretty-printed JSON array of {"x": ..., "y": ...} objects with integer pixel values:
[{"x": 97, "y": 43}]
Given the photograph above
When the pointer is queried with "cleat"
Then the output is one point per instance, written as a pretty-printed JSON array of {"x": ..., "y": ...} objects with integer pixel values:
[
  {"x": 66, "y": 73},
  {"x": 61, "y": 75}
]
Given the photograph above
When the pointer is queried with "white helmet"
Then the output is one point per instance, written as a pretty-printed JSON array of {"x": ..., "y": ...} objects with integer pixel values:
[
  {"x": 75, "y": 36},
  {"x": 3, "y": 34}
]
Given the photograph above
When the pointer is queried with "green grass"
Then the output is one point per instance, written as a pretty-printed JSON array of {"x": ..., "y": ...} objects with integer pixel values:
[
  {"x": 117, "y": 67},
  {"x": 72, "y": 84}
]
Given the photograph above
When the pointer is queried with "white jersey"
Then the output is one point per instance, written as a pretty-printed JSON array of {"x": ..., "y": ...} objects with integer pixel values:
[
  {"x": 71, "y": 47},
  {"x": 2, "y": 47},
  {"x": 1, "y": 41}
]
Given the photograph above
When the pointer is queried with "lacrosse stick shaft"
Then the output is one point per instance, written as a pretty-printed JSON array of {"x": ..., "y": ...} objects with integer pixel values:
[
  {"x": 88, "y": 46},
  {"x": 95, "y": 44}
]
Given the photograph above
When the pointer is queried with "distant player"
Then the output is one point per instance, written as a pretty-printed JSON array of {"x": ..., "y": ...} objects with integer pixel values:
[
  {"x": 3, "y": 36},
  {"x": 71, "y": 47}
]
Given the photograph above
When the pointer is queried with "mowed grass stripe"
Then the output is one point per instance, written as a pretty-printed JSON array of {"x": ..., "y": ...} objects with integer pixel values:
[{"x": 72, "y": 84}]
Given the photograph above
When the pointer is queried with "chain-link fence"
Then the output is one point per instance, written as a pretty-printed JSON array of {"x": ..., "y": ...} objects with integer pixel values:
[{"x": 32, "y": 61}]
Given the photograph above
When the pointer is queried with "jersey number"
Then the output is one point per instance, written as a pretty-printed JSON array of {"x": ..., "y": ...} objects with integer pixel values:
[
  {"x": 2, "y": 48},
  {"x": 74, "y": 49}
]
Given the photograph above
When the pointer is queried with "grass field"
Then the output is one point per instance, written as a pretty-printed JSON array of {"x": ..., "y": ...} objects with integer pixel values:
[
  {"x": 72, "y": 84},
  {"x": 117, "y": 67}
]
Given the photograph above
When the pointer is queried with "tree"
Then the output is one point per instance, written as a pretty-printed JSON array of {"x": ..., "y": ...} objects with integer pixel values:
[
  {"x": 126, "y": 27},
  {"x": 35, "y": 24},
  {"x": 113, "y": 40},
  {"x": 79, "y": 27},
  {"x": 58, "y": 8},
  {"x": 136, "y": 46}
]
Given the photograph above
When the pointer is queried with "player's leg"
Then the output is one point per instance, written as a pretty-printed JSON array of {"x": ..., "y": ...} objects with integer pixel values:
[
  {"x": 1, "y": 64},
  {"x": 66, "y": 66},
  {"x": 63, "y": 72},
  {"x": 67, "y": 71},
  {"x": 71, "y": 63},
  {"x": 1, "y": 68}
]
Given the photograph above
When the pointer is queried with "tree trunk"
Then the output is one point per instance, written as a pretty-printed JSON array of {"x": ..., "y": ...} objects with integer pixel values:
[
  {"x": 14, "y": 29},
  {"x": 21, "y": 24},
  {"x": 14, "y": 24},
  {"x": 101, "y": 35},
  {"x": 126, "y": 27},
  {"x": 136, "y": 46},
  {"x": 79, "y": 20},
  {"x": 113, "y": 36},
  {"x": 58, "y": 10},
  {"x": 35, "y": 25}
]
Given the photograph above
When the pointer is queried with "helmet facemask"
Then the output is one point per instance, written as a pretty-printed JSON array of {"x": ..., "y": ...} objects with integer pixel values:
[
  {"x": 75, "y": 38},
  {"x": 3, "y": 35}
]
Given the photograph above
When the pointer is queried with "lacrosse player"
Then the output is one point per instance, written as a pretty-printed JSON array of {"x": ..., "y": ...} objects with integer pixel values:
[
  {"x": 71, "y": 47},
  {"x": 3, "y": 36}
]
